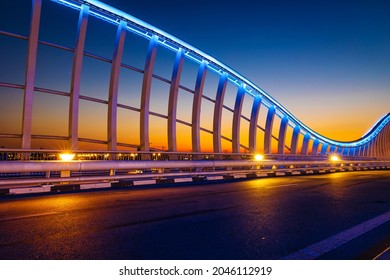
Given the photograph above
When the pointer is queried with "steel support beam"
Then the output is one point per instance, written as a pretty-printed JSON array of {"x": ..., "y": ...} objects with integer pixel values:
[
  {"x": 73, "y": 129},
  {"x": 294, "y": 140},
  {"x": 387, "y": 140},
  {"x": 372, "y": 149},
  {"x": 314, "y": 149},
  {"x": 379, "y": 144},
  {"x": 114, "y": 86},
  {"x": 196, "y": 104},
  {"x": 172, "y": 104},
  {"x": 30, "y": 74},
  {"x": 305, "y": 145},
  {"x": 324, "y": 148},
  {"x": 145, "y": 95},
  {"x": 365, "y": 148},
  {"x": 282, "y": 135},
  {"x": 253, "y": 124},
  {"x": 218, "y": 113},
  {"x": 237, "y": 119},
  {"x": 374, "y": 145},
  {"x": 360, "y": 151},
  {"x": 383, "y": 142},
  {"x": 268, "y": 130}
]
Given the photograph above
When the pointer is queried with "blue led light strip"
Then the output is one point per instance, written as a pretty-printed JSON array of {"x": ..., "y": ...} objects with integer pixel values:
[{"x": 144, "y": 29}]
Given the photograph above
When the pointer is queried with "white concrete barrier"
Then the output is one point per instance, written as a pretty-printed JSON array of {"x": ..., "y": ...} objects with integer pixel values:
[
  {"x": 95, "y": 186},
  {"x": 144, "y": 182},
  {"x": 212, "y": 178},
  {"x": 30, "y": 190},
  {"x": 182, "y": 180}
]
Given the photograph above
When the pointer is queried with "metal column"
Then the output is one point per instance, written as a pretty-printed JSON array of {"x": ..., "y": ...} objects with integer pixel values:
[
  {"x": 253, "y": 124},
  {"x": 196, "y": 106},
  {"x": 218, "y": 113},
  {"x": 305, "y": 145},
  {"x": 145, "y": 96},
  {"x": 172, "y": 105},
  {"x": 314, "y": 150},
  {"x": 237, "y": 119},
  {"x": 268, "y": 130},
  {"x": 324, "y": 148},
  {"x": 294, "y": 140},
  {"x": 73, "y": 129},
  {"x": 30, "y": 74},
  {"x": 282, "y": 135},
  {"x": 114, "y": 85}
]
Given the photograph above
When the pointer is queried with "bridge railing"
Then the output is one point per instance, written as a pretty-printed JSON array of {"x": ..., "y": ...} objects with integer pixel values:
[
  {"x": 100, "y": 166},
  {"x": 158, "y": 155}
]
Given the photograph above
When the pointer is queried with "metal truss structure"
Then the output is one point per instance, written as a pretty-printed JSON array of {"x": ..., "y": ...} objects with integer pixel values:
[{"x": 374, "y": 143}]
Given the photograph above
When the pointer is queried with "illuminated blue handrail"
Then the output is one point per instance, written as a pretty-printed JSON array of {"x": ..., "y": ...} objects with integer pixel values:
[{"x": 142, "y": 28}]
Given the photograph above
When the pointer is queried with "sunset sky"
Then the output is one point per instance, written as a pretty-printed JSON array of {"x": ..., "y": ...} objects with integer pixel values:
[{"x": 327, "y": 62}]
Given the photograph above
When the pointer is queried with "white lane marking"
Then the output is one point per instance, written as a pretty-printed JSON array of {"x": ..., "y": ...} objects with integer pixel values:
[
  {"x": 318, "y": 249},
  {"x": 280, "y": 186},
  {"x": 27, "y": 216},
  {"x": 385, "y": 255}
]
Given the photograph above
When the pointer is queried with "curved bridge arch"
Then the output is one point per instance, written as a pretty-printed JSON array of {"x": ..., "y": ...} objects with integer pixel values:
[{"x": 278, "y": 120}]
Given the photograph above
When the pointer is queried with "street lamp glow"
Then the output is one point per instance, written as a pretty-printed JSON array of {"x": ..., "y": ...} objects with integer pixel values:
[
  {"x": 335, "y": 158},
  {"x": 67, "y": 156},
  {"x": 259, "y": 157}
]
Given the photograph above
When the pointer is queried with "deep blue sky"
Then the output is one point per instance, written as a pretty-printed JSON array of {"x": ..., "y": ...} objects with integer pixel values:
[{"x": 323, "y": 60}]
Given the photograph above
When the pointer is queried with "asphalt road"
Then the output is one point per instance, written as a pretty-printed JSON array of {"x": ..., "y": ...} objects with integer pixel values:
[{"x": 257, "y": 219}]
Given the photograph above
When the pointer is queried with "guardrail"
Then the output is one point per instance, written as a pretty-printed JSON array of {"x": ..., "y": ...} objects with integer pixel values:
[
  {"x": 162, "y": 155},
  {"x": 54, "y": 172}
]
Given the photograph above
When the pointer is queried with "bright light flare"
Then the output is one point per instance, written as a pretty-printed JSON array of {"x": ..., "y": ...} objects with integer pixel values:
[
  {"x": 335, "y": 158},
  {"x": 67, "y": 156},
  {"x": 258, "y": 157}
]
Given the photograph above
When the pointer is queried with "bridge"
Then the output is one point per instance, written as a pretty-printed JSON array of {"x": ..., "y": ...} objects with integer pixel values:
[{"x": 130, "y": 139}]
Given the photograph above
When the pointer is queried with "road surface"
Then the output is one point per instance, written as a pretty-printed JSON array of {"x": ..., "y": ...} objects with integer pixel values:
[{"x": 269, "y": 218}]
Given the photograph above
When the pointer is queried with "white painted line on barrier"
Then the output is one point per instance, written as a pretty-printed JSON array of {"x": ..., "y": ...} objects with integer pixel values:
[
  {"x": 211, "y": 178},
  {"x": 182, "y": 180},
  {"x": 95, "y": 186},
  {"x": 144, "y": 182},
  {"x": 321, "y": 171},
  {"x": 239, "y": 176},
  {"x": 309, "y": 172},
  {"x": 296, "y": 173},
  {"x": 342, "y": 169},
  {"x": 280, "y": 173},
  {"x": 30, "y": 190},
  {"x": 318, "y": 249}
]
